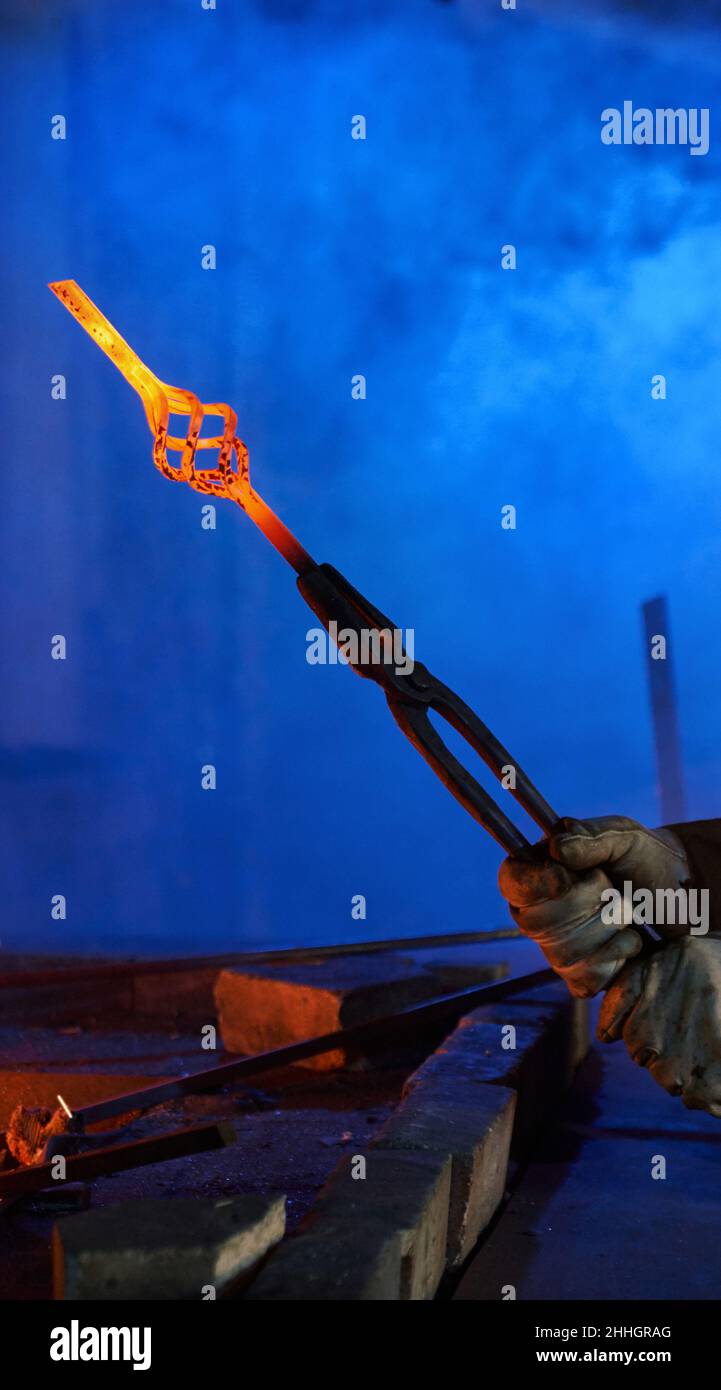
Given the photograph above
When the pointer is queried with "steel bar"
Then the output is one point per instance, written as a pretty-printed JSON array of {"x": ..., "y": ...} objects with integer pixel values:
[
  {"x": 359, "y": 1037},
  {"x": 20, "y": 979},
  {"x": 180, "y": 1143}
]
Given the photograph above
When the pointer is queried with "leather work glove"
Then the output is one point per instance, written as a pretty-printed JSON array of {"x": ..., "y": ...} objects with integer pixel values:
[
  {"x": 667, "y": 1009},
  {"x": 555, "y": 895}
]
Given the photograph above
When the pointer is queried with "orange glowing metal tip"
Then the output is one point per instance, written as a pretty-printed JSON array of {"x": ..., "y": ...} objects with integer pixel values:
[{"x": 159, "y": 400}]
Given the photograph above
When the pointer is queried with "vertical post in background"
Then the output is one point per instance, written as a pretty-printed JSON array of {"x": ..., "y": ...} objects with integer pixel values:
[{"x": 664, "y": 709}]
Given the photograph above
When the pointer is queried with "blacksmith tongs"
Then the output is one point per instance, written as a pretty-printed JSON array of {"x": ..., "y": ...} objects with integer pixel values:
[{"x": 412, "y": 695}]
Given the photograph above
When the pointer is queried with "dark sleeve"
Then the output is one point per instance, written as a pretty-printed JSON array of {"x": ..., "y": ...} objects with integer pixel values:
[{"x": 701, "y": 840}]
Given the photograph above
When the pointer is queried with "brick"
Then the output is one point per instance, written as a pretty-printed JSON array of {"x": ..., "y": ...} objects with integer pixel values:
[
  {"x": 378, "y": 1238},
  {"x": 269, "y": 1006},
  {"x": 164, "y": 1249},
  {"x": 471, "y": 1126}
]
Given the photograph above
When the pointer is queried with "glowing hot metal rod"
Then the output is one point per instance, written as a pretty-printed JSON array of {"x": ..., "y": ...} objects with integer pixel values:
[
  {"x": 159, "y": 400},
  {"x": 410, "y": 696}
]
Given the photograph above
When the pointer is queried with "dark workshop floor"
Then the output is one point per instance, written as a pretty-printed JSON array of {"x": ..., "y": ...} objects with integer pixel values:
[
  {"x": 588, "y": 1220},
  {"x": 291, "y": 1130}
]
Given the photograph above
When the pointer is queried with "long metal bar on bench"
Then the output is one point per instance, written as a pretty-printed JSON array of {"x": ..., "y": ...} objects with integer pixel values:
[
  {"x": 180, "y": 1143},
  {"x": 99, "y": 970},
  {"x": 356, "y": 1038}
]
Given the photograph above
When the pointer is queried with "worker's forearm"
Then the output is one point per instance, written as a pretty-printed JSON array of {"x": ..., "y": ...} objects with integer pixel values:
[{"x": 701, "y": 840}]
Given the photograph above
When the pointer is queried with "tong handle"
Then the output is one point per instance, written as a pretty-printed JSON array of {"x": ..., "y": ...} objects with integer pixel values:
[
  {"x": 410, "y": 697},
  {"x": 465, "y": 721},
  {"x": 419, "y": 730}
]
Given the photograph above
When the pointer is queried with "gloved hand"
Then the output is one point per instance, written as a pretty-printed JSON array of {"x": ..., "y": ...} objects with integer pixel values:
[
  {"x": 556, "y": 894},
  {"x": 667, "y": 1009}
]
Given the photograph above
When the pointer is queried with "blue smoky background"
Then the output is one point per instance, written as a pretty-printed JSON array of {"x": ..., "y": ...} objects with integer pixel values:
[{"x": 232, "y": 127}]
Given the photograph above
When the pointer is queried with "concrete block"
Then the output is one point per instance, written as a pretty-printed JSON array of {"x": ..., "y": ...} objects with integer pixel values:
[
  {"x": 333, "y": 1265},
  {"x": 576, "y": 1012},
  {"x": 471, "y": 1126},
  {"x": 537, "y": 1059},
  {"x": 461, "y": 967},
  {"x": 408, "y": 1193},
  {"x": 269, "y": 1006},
  {"x": 178, "y": 997},
  {"x": 164, "y": 1249},
  {"x": 378, "y": 1238},
  {"x": 567, "y": 1021}
]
